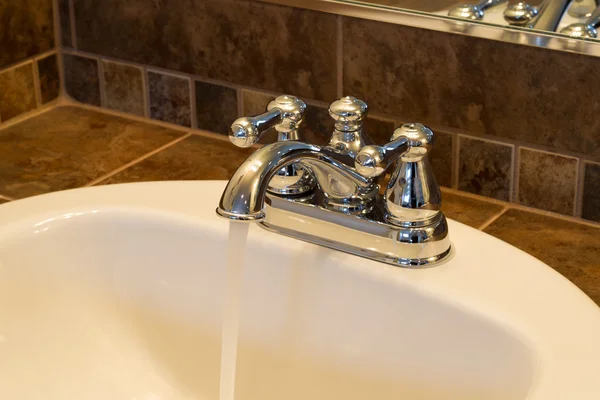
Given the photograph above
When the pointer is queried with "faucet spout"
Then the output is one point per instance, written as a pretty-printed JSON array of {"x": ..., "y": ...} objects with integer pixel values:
[{"x": 244, "y": 196}]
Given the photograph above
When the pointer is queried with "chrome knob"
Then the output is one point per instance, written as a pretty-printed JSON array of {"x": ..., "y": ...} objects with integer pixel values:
[
  {"x": 349, "y": 114},
  {"x": 520, "y": 14},
  {"x": 285, "y": 113},
  {"x": 473, "y": 12}
]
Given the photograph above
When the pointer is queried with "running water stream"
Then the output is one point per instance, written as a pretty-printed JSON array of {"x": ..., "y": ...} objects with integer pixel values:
[{"x": 236, "y": 252}]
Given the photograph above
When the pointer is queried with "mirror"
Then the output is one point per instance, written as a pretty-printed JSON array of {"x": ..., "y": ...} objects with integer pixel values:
[
  {"x": 573, "y": 18},
  {"x": 569, "y": 25}
]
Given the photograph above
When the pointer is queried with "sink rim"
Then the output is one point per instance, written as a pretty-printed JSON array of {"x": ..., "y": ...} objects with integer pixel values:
[{"x": 544, "y": 320}]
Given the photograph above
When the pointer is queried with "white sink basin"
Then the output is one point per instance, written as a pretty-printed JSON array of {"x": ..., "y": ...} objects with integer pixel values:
[{"x": 116, "y": 293}]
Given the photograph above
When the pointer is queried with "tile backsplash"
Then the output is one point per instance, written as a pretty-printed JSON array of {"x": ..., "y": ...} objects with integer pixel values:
[
  {"x": 509, "y": 120},
  {"x": 29, "y": 73}
]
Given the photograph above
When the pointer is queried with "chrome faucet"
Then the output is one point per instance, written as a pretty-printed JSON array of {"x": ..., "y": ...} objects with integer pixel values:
[{"x": 342, "y": 209}]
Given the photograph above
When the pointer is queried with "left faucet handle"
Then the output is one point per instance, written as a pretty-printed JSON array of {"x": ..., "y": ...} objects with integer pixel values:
[{"x": 285, "y": 113}]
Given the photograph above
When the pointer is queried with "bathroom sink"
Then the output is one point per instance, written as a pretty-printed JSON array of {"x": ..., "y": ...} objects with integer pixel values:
[{"x": 116, "y": 292}]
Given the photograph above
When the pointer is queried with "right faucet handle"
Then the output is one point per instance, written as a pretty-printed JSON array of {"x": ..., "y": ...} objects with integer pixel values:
[
  {"x": 285, "y": 113},
  {"x": 413, "y": 196},
  {"x": 411, "y": 142}
]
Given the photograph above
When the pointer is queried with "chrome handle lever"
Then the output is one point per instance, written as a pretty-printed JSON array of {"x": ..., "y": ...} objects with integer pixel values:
[
  {"x": 413, "y": 197},
  {"x": 285, "y": 113},
  {"x": 410, "y": 142}
]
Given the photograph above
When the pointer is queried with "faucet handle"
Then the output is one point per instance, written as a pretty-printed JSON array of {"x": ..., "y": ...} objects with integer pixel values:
[
  {"x": 349, "y": 114},
  {"x": 409, "y": 142},
  {"x": 412, "y": 196},
  {"x": 285, "y": 113}
]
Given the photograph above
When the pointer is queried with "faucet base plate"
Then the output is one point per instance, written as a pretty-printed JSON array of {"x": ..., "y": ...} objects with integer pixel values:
[{"x": 362, "y": 235}]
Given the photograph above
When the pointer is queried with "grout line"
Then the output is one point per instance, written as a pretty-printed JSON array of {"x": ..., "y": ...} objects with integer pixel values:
[
  {"x": 37, "y": 86},
  {"x": 454, "y": 175},
  {"x": 62, "y": 89},
  {"x": 193, "y": 108},
  {"x": 72, "y": 21},
  {"x": 340, "y": 56},
  {"x": 137, "y": 160},
  {"x": 101, "y": 82},
  {"x": 145, "y": 95},
  {"x": 493, "y": 218},
  {"x": 579, "y": 188},
  {"x": 516, "y": 174},
  {"x": 46, "y": 54},
  {"x": 513, "y": 168},
  {"x": 553, "y": 153},
  {"x": 57, "y": 25},
  {"x": 6, "y": 198},
  {"x": 30, "y": 114},
  {"x": 147, "y": 111},
  {"x": 216, "y": 136}
]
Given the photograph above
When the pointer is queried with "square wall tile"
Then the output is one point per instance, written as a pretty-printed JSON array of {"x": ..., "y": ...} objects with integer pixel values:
[
  {"x": 170, "y": 98},
  {"x": 547, "y": 181},
  {"x": 273, "y": 47},
  {"x": 591, "y": 192},
  {"x": 123, "y": 87},
  {"x": 17, "y": 91},
  {"x": 216, "y": 107},
  {"x": 26, "y": 29},
  {"x": 49, "y": 78},
  {"x": 485, "y": 168},
  {"x": 81, "y": 79}
]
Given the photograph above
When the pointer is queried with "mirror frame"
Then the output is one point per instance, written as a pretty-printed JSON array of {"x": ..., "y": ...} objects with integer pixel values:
[{"x": 418, "y": 19}]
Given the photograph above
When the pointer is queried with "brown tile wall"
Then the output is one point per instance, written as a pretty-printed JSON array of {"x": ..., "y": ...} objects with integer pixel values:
[
  {"x": 29, "y": 73},
  {"x": 509, "y": 121}
]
